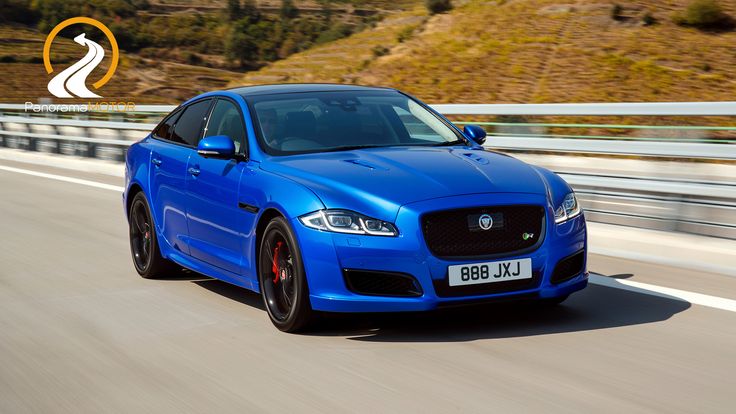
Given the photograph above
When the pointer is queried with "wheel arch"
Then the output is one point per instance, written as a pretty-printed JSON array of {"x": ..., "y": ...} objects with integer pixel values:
[
  {"x": 133, "y": 190},
  {"x": 268, "y": 214}
]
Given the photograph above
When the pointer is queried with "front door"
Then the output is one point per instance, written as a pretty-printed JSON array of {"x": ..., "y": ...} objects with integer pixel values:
[{"x": 215, "y": 221}]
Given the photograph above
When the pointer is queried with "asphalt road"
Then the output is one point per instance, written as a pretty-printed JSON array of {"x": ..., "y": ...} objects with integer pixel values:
[{"x": 80, "y": 331}]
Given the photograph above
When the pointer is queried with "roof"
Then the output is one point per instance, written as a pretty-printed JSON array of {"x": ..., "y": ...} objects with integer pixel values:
[{"x": 299, "y": 87}]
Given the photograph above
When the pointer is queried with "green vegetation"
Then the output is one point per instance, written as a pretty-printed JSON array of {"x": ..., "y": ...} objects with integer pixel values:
[
  {"x": 704, "y": 15},
  {"x": 405, "y": 34},
  {"x": 648, "y": 19},
  {"x": 380, "y": 50},
  {"x": 617, "y": 12},
  {"x": 438, "y": 6},
  {"x": 17, "y": 11},
  {"x": 240, "y": 33},
  {"x": 528, "y": 51}
]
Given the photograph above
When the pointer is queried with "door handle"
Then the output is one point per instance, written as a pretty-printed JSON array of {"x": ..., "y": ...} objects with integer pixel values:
[
  {"x": 193, "y": 171},
  {"x": 156, "y": 161}
]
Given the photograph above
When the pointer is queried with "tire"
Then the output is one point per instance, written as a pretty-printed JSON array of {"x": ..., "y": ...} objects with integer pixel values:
[
  {"x": 282, "y": 279},
  {"x": 144, "y": 248}
]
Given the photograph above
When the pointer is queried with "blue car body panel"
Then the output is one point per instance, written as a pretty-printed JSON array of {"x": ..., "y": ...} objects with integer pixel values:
[{"x": 209, "y": 222}]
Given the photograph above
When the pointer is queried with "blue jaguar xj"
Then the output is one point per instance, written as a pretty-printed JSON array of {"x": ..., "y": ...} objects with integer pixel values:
[{"x": 345, "y": 198}]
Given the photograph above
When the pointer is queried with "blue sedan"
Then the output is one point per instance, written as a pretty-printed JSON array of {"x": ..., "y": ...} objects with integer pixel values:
[{"x": 347, "y": 199}]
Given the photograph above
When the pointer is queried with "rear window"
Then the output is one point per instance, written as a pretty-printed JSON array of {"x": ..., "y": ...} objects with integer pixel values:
[
  {"x": 166, "y": 127},
  {"x": 188, "y": 128}
]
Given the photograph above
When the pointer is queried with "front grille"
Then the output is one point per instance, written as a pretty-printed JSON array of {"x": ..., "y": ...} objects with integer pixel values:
[
  {"x": 568, "y": 267},
  {"x": 443, "y": 289},
  {"x": 455, "y": 233},
  {"x": 377, "y": 283}
]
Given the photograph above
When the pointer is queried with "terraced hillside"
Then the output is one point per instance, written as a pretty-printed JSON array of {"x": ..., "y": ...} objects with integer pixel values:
[
  {"x": 141, "y": 80},
  {"x": 530, "y": 51},
  {"x": 174, "y": 49},
  {"x": 344, "y": 60}
]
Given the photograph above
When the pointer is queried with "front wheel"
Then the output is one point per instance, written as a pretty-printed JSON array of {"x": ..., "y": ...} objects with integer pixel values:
[{"x": 282, "y": 278}]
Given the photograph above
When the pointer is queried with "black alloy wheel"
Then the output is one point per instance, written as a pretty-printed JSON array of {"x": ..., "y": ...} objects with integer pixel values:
[
  {"x": 143, "y": 242},
  {"x": 282, "y": 279}
]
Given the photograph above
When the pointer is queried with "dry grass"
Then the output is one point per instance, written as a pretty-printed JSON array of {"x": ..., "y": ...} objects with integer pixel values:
[
  {"x": 137, "y": 79},
  {"x": 533, "y": 51},
  {"x": 341, "y": 60},
  {"x": 505, "y": 51}
]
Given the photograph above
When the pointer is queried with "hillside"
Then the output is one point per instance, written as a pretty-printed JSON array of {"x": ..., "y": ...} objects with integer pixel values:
[
  {"x": 481, "y": 51},
  {"x": 530, "y": 51},
  {"x": 173, "y": 49},
  {"x": 137, "y": 79}
]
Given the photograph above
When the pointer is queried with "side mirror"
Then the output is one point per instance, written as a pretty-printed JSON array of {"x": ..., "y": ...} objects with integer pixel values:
[
  {"x": 217, "y": 146},
  {"x": 475, "y": 133}
]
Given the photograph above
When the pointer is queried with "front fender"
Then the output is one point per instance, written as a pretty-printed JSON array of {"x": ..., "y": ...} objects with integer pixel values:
[
  {"x": 557, "y": 188},
  {"x": 270, "y": 192}
]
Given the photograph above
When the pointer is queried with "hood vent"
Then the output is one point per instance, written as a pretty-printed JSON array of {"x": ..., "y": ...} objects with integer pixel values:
[{"x": 366, "y": 164}]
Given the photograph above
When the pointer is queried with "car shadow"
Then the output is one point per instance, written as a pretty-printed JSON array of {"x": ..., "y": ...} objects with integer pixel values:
[
  {"x": 596, "y": 307},
  {"x": 232, "y": 292}
]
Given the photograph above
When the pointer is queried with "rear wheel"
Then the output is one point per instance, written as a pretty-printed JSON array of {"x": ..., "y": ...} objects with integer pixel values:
[
  {"x": 282, "y": 278},
  {"x": 143, "y": 242}
]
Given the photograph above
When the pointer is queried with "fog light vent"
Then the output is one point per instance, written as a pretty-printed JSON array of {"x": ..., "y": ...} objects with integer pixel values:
[
  {"x": 378, "y": 283},
  {"x": 569, "y": 267}
]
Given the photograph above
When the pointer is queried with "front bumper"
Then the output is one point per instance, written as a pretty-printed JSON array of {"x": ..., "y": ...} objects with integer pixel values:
[{"x": 326, "y": 254}]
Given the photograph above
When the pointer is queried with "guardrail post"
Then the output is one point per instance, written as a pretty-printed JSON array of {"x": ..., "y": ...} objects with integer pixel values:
[
  {"x": 90, "y": 148},
  {"x": 32, "y": 141},
  {"x": 121, "y": 136}
]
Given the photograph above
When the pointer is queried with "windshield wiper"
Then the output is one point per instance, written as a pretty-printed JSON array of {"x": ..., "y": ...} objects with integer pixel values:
[
  {"x": 353, "y": 147},
  {"x": 451, "y": 143}
]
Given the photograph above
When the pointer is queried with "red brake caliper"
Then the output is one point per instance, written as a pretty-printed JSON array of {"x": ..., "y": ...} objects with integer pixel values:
[{"x": 275, "y": 262}]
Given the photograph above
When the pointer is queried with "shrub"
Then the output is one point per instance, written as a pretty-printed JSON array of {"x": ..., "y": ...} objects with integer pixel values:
[
  {"x": 617, "y": 12},
  {"x": 648, "y": 19},
  {"x": 704, "y": 15},
  {"x": 379, "y": 50},
  {"x": 438, "y": 6},
  {"x": 17, "y": 11},
  {"x": 193, "y": 58},
  {"x": 335, "y": 32},
  {"x": 405, "y": 34},
  {"x": 288, "y": 10}
]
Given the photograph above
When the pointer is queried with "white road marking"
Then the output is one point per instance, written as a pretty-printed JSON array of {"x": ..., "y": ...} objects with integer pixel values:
[
  {"x": 665, "y": 292},
  {"x": 639, "y": 287},
  {"x": 64, "y": 178}
]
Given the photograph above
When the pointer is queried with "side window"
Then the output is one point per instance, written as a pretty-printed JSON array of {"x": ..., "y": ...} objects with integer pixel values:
[
  {"x": 226, "y": 120},
  {"x": 189, "y": 125},
  {"x": 165, "y": 128}
]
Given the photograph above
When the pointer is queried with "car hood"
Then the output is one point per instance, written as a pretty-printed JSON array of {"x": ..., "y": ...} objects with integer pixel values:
[{"x": 377, "y": 181}]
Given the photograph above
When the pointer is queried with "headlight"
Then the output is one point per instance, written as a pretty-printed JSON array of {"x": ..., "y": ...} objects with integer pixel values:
[
  {"x": 568, "y": 209},
  {"x": 344, "y": 221}
]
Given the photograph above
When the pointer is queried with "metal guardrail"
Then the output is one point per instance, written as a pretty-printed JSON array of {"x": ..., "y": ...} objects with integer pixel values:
[
  {"x": 594, "y": 109},
  {"x": 706, "y": 206}
]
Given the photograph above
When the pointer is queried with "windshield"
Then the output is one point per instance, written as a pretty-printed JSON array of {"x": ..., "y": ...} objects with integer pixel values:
[{"x": 333, "y": 121}]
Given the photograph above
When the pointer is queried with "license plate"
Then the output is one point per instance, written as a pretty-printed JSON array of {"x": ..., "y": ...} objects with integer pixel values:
[{"x": 490, "y": 272}]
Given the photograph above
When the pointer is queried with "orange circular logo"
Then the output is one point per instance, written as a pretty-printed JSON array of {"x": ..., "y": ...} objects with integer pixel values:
[{"x": 83, "y": 41}]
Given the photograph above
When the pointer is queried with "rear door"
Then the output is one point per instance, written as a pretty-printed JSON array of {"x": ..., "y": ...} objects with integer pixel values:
[
  {"x": 170, "y": 152},
  {"x": 215, "y": 221}
]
